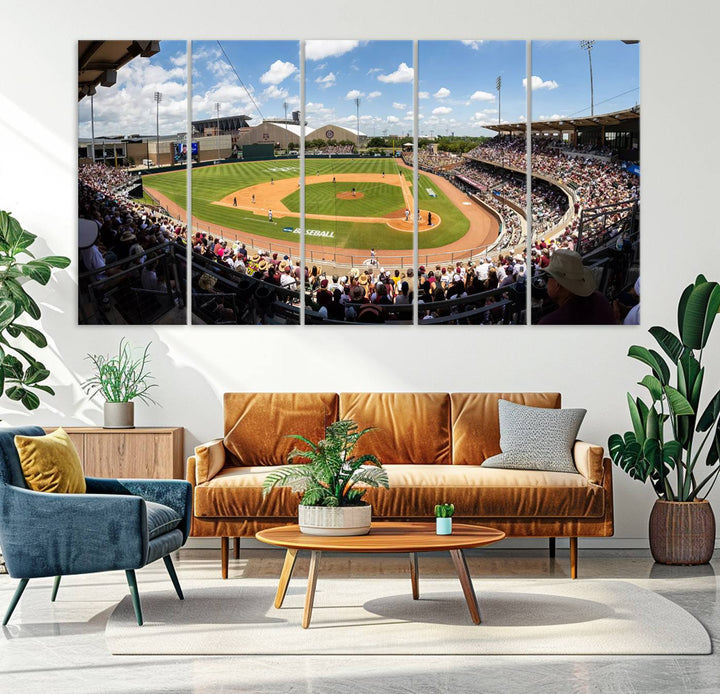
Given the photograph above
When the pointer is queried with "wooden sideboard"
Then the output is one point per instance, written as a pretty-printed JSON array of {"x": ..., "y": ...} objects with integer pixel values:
[{"x": 143, "y": 452}]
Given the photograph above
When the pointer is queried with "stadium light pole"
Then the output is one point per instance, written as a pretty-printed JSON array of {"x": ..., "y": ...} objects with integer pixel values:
[
  {"x": 92, "y": 124},
  {"x": 588, "y": 46},
  {"x": 357, "y": 107},
  {"x": 217, "y": 127},
  {"x": 498, "y": 86},
  {"x": 158, "y": 98}
]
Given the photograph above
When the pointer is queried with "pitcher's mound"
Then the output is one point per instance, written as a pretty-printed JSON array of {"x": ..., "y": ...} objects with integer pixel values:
[{"x": 347, "y": 195}]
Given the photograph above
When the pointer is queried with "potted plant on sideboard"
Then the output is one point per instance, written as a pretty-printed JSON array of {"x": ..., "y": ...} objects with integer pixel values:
[
  {"x": 682, "y": 524},
  {"x": 331, "y": 502},
  {"x": 121, "y": 379}
]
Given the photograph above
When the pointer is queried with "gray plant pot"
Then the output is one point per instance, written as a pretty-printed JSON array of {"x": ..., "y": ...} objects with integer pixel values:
[
  {"x": 335, "y": 520},
  {"x": 119, "y": 415}
]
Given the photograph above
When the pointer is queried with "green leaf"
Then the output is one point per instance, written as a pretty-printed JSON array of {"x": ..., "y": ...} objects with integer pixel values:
[
  {"x": 58, "y": 261},
  {"x": 710, "y": 414},
  {"x": 653, "y": 385},
  {"x": 699, "y": 314},
  {"x": 32, "y": 334},
  {"x": 7, "y": 313},
  {"x": 12, "y": 367},
  {"x": 23, "y": 298},
  {"x": 16, "y": 392},
  {"x": 653, "y": 360},
  {"x": 678, "y": 403},
  {"x": 46, "y": 389},
  {"x": 30, "y": 400},
  {"x": 35, "y": 373},
  {"x": 682, "y": 305},
  {"x": 670, "y": 344},
  {"x": 714, "y": 452},
  {"x": 638, "y": 421},
  {"x": 37, "y": 271}
]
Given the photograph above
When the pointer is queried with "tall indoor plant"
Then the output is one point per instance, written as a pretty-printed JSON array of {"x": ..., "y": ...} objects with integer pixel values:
[
  {"x": 331, "y": 502},
  {"x": 20, "y": 372},
  {"x": 120, "y": 379},
  {"x": 682, "y": 463}
]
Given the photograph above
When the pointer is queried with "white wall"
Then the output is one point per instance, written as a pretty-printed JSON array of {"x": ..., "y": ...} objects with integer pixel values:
[{"x": 194, "y": 366}]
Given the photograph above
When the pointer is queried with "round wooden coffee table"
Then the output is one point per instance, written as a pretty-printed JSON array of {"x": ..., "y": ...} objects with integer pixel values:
[{"x": 383, "y": 538}]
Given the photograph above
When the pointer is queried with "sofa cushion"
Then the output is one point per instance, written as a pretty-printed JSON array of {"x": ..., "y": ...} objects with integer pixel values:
[
  {"x": 411, "y": 427},
  {"x": 536, "y": 438},
  {"x": 161, "y": 519},
  {"x": 476, "y": 491},
  {"x": 51, "y": 463},
  {"x": 476, "y": 423},
  {"x": 257, "y": 424}
]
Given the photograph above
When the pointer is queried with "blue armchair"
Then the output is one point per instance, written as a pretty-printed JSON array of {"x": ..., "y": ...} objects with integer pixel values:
[{"x": 117, "y": 524}]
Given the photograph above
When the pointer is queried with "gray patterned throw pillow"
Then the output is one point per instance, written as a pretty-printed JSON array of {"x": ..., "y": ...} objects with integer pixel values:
[{"x": 536, "y": 438}]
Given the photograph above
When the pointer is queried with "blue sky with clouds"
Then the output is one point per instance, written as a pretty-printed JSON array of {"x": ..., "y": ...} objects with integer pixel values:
[
  {"x": 457, "y": 84},
  {"x": 380, "y": 73}
]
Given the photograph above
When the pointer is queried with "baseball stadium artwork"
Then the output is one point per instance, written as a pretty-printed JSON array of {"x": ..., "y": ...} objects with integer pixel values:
[{"x": 251, "y": 206}]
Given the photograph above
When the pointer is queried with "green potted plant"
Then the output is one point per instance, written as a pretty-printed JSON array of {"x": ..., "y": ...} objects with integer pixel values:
[
  {"x": 443, "y": 518},
  {"x": 120, "y": 379},
  {"x": 20, "y": 372},
  {"x": 679, "y": 463},
  {"x": 331, "y": 501}
]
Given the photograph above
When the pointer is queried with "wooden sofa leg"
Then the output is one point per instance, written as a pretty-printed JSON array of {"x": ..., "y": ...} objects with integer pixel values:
[
  {"x": 224, "y": 552},
  {"x": 236, "y": 553},
  {"x": 551, "y": 547},
  {"x": 573, "y": 557}
]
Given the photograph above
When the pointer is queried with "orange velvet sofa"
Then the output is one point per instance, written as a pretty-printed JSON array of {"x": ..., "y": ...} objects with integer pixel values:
[{"x": 432, "y": 446}]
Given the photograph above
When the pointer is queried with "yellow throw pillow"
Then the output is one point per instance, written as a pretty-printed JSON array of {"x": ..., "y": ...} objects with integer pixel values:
[{"x": 51, "y": 463}]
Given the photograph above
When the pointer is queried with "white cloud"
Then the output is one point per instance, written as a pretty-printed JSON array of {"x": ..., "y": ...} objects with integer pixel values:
[
  {"x": 475, "y": 45},
  {"x": 555, "y": 116},
  {"x": 374, "y": 95},
  {"x": 354, "y": 94},
  {"x": 442, "y": 93},
  {"x": 273, "y": 92},
  {"x": 392, "y": 119},
  {"x": 402, "y": 74},
  {"x": 441, "y": 111},
  {"x": 327, "y": 81},
  {"x": 423, "y": 95},
  {"x": 317, "y": 50},
  {"x": 373, "y": 70},
  {"x": 538, "y": 83},
  {"x": 277, "y": 72},
  {"x": 482, "y": 96},
  {"x": 399, "y": 106}
]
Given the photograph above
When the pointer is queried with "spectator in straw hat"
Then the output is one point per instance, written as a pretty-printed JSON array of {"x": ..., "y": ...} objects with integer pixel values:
[{"x": 572, "y": 287}]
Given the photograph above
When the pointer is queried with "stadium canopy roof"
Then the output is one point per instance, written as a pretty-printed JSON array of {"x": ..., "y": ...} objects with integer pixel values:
[
  {"x": 290, "y": 127},
  {"x": 564, "y": 124},
  {"x": 99, "y": 61}
]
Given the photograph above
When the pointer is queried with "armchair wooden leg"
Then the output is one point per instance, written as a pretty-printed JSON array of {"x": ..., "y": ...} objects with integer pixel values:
[
  {"x": 132, "y": 582},
  {"x": 573, "y": 557},
  {"x": 56, "y": 585},
  {"x": 236, "y": 554},
  {"x": 173, "y": 576},
  {"x": 224, "y": 552},
  {"x": 551, "y": 547},
  {"x": 15, "y": 599}
]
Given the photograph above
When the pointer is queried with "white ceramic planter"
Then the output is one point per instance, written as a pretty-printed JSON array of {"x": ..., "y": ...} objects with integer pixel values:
[
  {"x": 119, "y": 415},
  {"x": 335, "y": 520}
]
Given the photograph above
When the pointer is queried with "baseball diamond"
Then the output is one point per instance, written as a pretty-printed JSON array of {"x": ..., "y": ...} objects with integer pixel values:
[{"x": 360, "y": 202}]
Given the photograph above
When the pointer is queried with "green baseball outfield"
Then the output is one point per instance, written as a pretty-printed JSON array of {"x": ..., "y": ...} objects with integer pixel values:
[{"x": 350, "y": 203}]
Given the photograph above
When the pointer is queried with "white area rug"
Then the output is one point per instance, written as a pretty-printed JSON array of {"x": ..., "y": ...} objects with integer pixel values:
[{"x": 377, "y": 616}]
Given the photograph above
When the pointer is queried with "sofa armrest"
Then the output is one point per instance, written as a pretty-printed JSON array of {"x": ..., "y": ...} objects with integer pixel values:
[
  {"x": 47, "y": 534},
  {"x": 209, "y": 460},
  {"x": 177, "y": 494},
  {"x": 588, "y": 460}
]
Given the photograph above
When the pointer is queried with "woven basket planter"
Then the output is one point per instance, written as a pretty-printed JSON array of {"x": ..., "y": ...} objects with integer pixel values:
[
  {"x": 682, "y": 532},
  {"x": 335, "y": 520}
]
